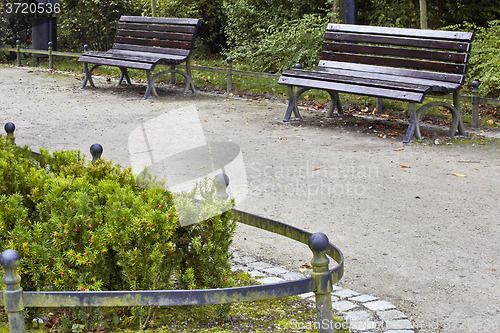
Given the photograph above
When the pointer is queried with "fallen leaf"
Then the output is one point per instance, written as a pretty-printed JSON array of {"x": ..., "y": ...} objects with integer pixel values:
[
  {"x": 459, "y": 175},
  {"x": 384, "y": 115},
  {"x": 316, "y": 169},
  {"x": 405, "y": 166},
  {"x": 490, "y": 122},
  {"x": 399, "y": 149},
  {"x": 306, "y": 266}
]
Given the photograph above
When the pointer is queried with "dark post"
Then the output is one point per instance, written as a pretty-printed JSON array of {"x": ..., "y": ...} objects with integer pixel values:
[
  {"x": 9, "y": 259},
  {"x": 475, "y": 104},
  {"x": 9, "y": 129},
  {"x": 18, "y": 46},
  {"x": 172, "y": 74},
  {"x": 318, "y": 243},
  {"x": 351, "y": 12},
  {"x": 96, "y": 151},
  {"x": 51, "y": 58},
  {"x": 229, "y": 76}
]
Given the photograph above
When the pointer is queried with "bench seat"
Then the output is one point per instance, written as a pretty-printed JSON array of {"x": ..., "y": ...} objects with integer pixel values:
[{"x": 392, "y": 63}]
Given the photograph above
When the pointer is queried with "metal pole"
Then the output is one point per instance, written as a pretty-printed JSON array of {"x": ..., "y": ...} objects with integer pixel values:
[
  {"x": 9, "y": 259},
  {"x": 351, "y": 12},
  {"x": 423, "y": 14},
  {"x": 9, "y": 129},
  {"x": 229, "y": 76},
  {"x": 18, "y": 46},
  {"x": 51, "y": 58},
  {"x": 475, "y": 104},
  {"x": 96, "y": 152},
  {"x": 318, "y": 243}
]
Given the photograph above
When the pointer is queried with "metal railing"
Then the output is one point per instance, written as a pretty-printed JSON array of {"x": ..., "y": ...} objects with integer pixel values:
[{"x": 321, "y": 281}]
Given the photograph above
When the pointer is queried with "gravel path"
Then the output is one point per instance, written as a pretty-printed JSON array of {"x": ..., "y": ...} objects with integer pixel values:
[{"x": 414, "y": 231}]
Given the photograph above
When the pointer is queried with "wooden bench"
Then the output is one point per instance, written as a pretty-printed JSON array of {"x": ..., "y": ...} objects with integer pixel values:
[
  {"x": 144, "y": 42},
  {"x": 393, "y": 63}
]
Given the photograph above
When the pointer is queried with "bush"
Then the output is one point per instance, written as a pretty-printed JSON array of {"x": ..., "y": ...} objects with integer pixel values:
[
  {"x": 484, "y": 63},
  {"x": 83, "y": 226},
  {"x": 274, "y": 36}
]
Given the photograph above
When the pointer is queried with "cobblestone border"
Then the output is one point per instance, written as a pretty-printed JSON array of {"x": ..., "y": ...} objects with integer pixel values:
[{"x": 364, "y": 313}]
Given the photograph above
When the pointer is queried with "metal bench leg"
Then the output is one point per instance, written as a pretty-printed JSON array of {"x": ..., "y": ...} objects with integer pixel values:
[
  {"x": 124, "y": 75},
  {"x": 292, "y": 103},
  {"x": 151, "y": 85},
  {"x": 335, "y": 104},
  {"x": 189, "y": 78},
  {"x": 88, "y": 74},
  {"x": 456, "y": 103},
  {"x": 413, "y": 123}
]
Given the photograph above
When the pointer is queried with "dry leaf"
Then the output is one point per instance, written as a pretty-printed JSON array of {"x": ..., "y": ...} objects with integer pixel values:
[
  {"x": 405, "y": 166},
  {"x": 490, "y": 122},
  {"x": 316, "y": 169},
  {"x": 459, "y": 175},
  {"x": 399, "y": 149}
]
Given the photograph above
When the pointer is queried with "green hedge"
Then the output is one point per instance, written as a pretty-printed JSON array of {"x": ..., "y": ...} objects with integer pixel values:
[{"x": 83, "y": 226}]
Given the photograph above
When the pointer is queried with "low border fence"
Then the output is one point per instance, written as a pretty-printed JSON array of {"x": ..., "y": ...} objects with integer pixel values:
[
  {"x": 322, "y": 278},
  {"x": 475, "y": 99}
]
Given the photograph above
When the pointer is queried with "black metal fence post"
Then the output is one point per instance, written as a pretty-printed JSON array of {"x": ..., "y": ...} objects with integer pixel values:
[
  {"x": 96, "y": 151},
  {"x": 51, "y": 57},
  {"x": 18, "y": 48},
  {"x": 9, "y": 129},
  {"x": 475, "y": 104},
  {"x": 318, "y": 243},
  {"x": 229, "y": 76},
  {"x": 9, "y": 259}
]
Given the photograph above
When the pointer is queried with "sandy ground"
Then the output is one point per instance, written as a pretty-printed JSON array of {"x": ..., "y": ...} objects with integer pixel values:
[{"x": 412, "y": 231}]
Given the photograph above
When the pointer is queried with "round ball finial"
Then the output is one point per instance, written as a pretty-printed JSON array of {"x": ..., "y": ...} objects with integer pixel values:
[
  {"x": 475, "y": 84},
  {"x": 318, "y": 242},
  {"x": 96, "y": 149},
  {"x": 221, "y": 184},
  {"x": 50, "y": 44},
  {"x": 86, "y": 47},
  {"x": 10, "y": 128},
  {"x": 298, "y": 66},
  {"x": 229, "y": 60},
  {"x": 9, "y": 259}
]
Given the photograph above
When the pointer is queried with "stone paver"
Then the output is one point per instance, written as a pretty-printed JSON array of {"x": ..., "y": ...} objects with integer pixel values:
[{"x": 364, "y": 313}]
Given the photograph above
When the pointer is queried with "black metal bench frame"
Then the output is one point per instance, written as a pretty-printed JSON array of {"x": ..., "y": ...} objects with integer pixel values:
[
  {"x": 393, "y": 63},
  {"x": 144, "y": 42}
]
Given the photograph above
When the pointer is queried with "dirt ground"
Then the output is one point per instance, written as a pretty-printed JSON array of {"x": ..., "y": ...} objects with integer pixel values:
[{"x": 418, "y": 223}]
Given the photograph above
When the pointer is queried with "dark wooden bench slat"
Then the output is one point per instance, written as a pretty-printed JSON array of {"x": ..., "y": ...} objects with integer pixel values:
[
  {"x": 153, "y": 42},
  {"x": 396, "y": 52},
  {"x": 325, "y": 76},
  {"x": 436, "y": 85},
  {"x": 353, "y": 89},
  {"x": 117, "y": 63},
  {"x": 151, "y": 49},
  {"x": 155, "y": 34},
  {"x": 399, "y": 41},
  {"x": 158, "y": 27},
  {"x": 391, "y": 31},
  {"x": 446, "y": 77},
  {"x": 160, "y": 20},
  {"x": 395, "y": 62}
]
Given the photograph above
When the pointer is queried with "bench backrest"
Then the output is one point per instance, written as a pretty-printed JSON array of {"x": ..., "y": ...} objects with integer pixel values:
[
  {"x": 156, "y": 35},
  {"x": 443, "y": 52}
]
